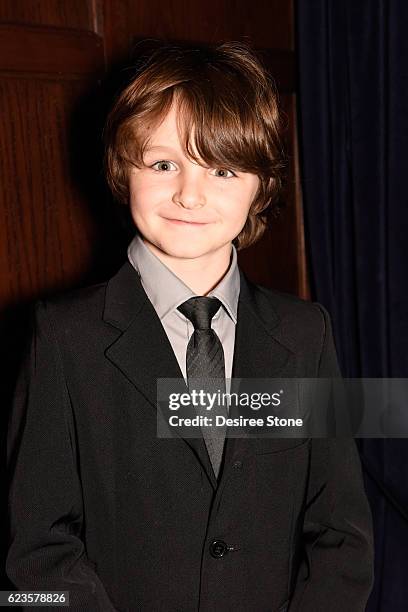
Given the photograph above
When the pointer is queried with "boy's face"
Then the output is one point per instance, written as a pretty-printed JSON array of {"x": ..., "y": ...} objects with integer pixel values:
[{"x": 184, "y": 209}]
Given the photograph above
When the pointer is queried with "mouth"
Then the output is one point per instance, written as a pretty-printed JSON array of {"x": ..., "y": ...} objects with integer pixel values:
[{"x": 184, "y": 222}]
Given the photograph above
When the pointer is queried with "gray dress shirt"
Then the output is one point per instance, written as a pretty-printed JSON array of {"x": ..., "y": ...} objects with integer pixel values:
[{"x": 166, "y": 291}]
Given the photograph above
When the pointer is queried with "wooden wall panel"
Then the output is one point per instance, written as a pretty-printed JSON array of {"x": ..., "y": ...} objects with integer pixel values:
[
  {"x": 267, "y": 22},
  {"x": 51, "y": 50},
  {"x": 47, "y": 232},
  {"x": 60, "y": 13},
  {"x": 47, "y": 74}
]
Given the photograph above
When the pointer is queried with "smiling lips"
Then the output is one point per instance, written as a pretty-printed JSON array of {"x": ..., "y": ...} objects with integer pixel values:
[{"x": 182, "y": 222}]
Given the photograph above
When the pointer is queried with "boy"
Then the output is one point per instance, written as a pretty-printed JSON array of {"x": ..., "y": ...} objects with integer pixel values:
[{"x": 99, "y": 505}]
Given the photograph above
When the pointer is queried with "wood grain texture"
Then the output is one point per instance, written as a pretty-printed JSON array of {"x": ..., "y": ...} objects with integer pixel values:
[
  {"x": 60, "y": 13},
  {"x": 46, "y": 232},
  {"x": 267, "y": 23},
  {"x": 50, "y": 50},
  {"x": 117, "y": 32}
]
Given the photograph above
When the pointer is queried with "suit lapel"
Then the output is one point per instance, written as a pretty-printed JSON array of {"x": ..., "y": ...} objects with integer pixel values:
[
  {"x": 143, "y": 353},
  {"x": 142, "y": 350}
]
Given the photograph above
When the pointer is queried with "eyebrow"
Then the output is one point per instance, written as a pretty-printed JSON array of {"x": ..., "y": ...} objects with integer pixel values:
[{"x": 153, "y": 148}]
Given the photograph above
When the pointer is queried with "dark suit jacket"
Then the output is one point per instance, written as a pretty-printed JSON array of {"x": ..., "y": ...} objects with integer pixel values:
[{"x": 102, "y": 507}]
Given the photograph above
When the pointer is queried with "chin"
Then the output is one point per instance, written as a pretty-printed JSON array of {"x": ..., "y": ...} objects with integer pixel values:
[{"x": 184, "y": 251}]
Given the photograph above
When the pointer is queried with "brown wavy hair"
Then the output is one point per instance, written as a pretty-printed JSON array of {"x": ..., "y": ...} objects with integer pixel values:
[{"x": 226, "y": 94}]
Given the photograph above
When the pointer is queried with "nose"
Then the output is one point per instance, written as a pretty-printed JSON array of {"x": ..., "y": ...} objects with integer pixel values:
[{"x": 189, "y": 192}]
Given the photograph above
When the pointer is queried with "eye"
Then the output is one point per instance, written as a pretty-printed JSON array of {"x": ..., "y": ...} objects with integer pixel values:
[
  {"x": 224, "y": 173},
  {"x": 163, "y": 166}
]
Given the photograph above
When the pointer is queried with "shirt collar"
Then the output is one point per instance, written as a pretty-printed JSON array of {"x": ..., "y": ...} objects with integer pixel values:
[{"x": 154, "y": 275}]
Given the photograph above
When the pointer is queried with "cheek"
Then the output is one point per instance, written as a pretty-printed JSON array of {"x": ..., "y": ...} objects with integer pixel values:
[
  {"x": 144, "y": 197},
  {"x": 243, "y": 204}
]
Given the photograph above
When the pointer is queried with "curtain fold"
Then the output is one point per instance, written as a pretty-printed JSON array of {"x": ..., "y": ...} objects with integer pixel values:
[{"x": 353, "y": 118}]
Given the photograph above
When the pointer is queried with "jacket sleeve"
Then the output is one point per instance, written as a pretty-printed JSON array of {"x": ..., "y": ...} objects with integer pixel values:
[
  {"x": 46, "y": 551},
  {"x": 336, "y": 568}
]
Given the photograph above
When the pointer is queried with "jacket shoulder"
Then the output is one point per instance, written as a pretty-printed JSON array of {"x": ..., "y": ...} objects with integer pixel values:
[
  {"x": 291, "y": 309},
  {"x": 83, "y": 302},
  {"x": 302, "y": 326},
  {"x": 73, "y": 317}
]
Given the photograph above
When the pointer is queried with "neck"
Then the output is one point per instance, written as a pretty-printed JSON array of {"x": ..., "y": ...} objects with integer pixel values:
[{"x": 200, "y": 274}]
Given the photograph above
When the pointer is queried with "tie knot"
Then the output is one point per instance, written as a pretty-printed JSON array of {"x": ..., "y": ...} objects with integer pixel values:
[{"x": 200, "y": 311}]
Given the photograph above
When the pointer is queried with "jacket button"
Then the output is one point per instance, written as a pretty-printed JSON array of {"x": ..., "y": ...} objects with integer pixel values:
[
  {"x": 237, "y": 465},
  {"x": 218, "y": 549}
]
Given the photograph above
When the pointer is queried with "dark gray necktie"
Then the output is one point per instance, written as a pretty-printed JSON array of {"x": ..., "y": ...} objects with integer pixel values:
[{"x": 205, "y": 361}]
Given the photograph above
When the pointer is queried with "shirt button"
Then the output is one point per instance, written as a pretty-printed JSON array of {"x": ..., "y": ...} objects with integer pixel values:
[{"x": 218, "y": 549}]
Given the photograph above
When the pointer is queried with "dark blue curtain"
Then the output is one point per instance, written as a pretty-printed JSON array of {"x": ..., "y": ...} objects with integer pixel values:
[{"x": 353, "y": 94}]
